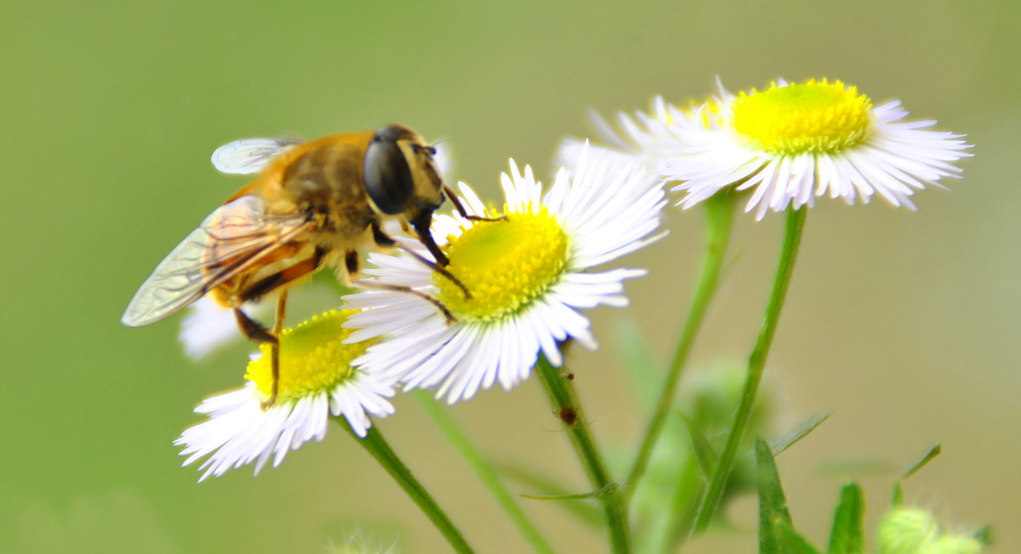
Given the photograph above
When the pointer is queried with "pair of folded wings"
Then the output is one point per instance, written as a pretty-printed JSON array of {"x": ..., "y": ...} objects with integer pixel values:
[{"x": 233, "y": 239}]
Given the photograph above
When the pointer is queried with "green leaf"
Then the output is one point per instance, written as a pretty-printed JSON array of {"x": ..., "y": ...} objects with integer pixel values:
[
  {"x": 636, "y": 355},
  {"x": 578, "y": 496},
  {"x": 704, "y": 451},
  {"x": 929, "y": 456},
  {"x": 784, "y": 441},
  {"x": 848, "y": 534},
  {"x": 898, "y": 494},
  {"x": 898, "y": 490},
  {"x": 792, "y": 542},
  {"x": 772, "y": 503},
  {"x": 551, "y": 486}
]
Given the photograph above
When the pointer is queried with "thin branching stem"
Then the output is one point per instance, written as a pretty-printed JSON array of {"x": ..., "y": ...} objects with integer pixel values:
[
  {"x": 565, "y": 401},
  {"x": 483, "y": 470},
  {"x": 719, "y": 219},
  {"x": 756, "y": 362},
  {"x": 381, "y": 451}
]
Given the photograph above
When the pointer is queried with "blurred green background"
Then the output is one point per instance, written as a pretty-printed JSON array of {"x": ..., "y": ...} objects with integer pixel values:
[{"x": 904, "y": 323}]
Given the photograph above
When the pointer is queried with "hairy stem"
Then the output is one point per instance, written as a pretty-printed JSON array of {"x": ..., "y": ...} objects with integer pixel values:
[{"x": 565, "y": 403}]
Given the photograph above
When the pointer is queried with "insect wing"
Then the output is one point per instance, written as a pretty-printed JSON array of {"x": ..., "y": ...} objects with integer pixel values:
[
  {"x": 232, "y": 239},
  {"x": 250, "y": 155}
]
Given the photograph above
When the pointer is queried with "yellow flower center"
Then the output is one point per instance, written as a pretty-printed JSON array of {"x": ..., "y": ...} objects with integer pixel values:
[
  {"x": 313, "y": 358},
  {"x": 811, "y": 117},
  {"x": 505, "y": 265}
]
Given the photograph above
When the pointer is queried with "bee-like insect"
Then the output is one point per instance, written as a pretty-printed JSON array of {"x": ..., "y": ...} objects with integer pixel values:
[{"x": 313, "y": 205}]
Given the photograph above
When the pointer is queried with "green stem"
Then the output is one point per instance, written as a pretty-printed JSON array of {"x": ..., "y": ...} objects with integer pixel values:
[
  {"x": 483, "y": 470},
  {"x": 756, "y": 363},
  {"x": 719, "y": 219},
  {"x": 565, "y": 403},
  {"x": 381, "y": 451}
]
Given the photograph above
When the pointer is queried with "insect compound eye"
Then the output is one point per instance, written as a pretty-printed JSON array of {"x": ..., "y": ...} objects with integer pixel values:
[{"x": 386, "y": 173}]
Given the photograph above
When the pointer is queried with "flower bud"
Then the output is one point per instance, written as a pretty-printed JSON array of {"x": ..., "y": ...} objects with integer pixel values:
[{"x": 917, "y": 531}]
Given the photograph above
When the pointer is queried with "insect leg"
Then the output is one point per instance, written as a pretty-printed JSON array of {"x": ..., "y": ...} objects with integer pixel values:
[
  {"x": 256, "y": 332},
  {"x": 438, "y": 269},
  {"x": 253, "y": 329},
  {"x": 464, "y": 213},
  {"x": 268, "y": 284},
  {"x": 351, "y": 262},
  {"x": 278, "y": 326},
  {"x": 382, "y": 239},
  {"x": 421, "y": 225},
  {"x": 398, "y": 288}
]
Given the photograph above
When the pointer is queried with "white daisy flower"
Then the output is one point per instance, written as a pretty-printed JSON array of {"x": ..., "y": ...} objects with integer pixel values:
[
  {"x": 638, "y": 141},
  {"x": 528, "y": 275},
  {"x": 790, "y": 144},
  {"x": 317, "y": 380}
]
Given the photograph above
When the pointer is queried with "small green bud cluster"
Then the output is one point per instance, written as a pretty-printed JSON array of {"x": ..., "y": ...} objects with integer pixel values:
[{"x": 917, "y": 531}]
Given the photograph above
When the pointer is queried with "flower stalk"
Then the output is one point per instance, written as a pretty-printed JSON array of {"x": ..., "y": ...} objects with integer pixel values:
[
  {"x": 719, "y": 221},
  {"x": 565, "y": 401},
  {"x": 375, "y": 445},
  {"x": 484, "y": 471},
  {"x": 788, "y": 256}
]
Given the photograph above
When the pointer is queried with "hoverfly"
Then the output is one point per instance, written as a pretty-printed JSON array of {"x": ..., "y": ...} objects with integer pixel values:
[{"x": 312, "y": 205}]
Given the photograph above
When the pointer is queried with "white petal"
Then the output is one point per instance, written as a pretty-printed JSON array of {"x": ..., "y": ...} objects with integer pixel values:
[{"x": 239, "y": 432}]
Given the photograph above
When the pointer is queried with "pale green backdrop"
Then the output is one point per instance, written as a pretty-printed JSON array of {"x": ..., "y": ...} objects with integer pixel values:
[{"x": 905, "y": 324}]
